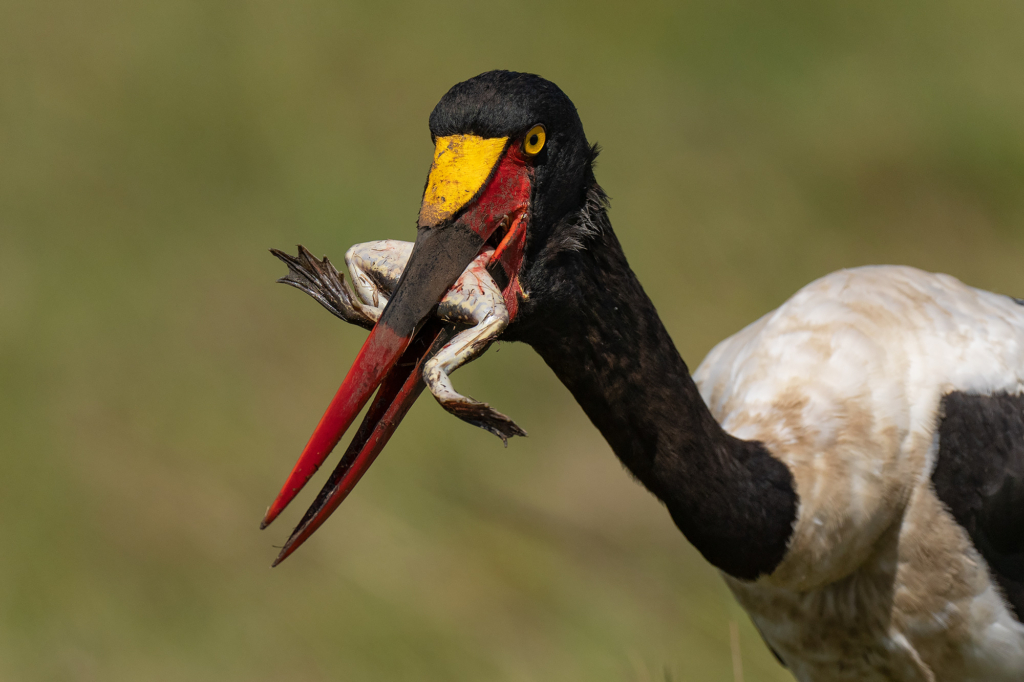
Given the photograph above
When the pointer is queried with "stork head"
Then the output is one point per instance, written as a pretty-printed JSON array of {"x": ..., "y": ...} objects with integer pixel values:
[
  {"x": 528, "y": 122},
  {"x": 510, "y": 160}
]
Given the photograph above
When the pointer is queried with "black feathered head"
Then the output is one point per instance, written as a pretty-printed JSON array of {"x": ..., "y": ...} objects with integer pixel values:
[{"x": 507, "y": 104}]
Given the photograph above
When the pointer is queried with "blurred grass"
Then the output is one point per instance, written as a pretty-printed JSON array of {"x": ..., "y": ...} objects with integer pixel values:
[{"x": 155, "y": 386}]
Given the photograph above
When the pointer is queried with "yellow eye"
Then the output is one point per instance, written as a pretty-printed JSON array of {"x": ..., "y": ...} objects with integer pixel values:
[{"x": 534, "y": 141}]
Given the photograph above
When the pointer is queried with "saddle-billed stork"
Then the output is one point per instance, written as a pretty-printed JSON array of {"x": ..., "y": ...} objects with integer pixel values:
[{"x": 852, "y": 463}]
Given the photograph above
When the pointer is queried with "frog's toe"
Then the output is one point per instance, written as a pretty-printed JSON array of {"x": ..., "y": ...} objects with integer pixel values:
[{"x": 482, "y": 415}]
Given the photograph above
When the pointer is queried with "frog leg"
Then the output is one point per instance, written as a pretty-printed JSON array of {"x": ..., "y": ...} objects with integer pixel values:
[
  {"x": 375, "y": 268},
  {"x": 475, "y": 300}
]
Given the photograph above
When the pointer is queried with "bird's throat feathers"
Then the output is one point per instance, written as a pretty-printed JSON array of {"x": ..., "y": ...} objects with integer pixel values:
[{"x": 589, "y": 318}]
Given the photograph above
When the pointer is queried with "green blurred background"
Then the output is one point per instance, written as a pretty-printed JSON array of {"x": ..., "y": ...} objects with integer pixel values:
[{"x": 156, "y": 385}]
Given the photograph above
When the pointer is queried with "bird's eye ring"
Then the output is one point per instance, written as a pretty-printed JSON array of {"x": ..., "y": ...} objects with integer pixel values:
[{"x": 534, "y": 140}]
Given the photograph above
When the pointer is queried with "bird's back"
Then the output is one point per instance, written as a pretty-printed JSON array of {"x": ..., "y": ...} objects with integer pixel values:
[{"x": 848, "y": 383}]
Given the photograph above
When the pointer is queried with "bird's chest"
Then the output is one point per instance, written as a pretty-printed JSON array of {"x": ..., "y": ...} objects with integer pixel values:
[
  {"x": 835, "y": 634},
  {"x": 838, "y": 632},
  {"x": 921, "y": 608}
]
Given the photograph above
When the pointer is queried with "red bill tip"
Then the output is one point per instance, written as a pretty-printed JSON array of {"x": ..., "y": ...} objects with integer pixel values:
[
  {"x": 397, "y": 393},
  {"x": 377, "y": 355}
]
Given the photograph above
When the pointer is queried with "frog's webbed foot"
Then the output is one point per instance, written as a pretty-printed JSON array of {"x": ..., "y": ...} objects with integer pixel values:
[
  {"x": 321, "y": 280},
  {"x": 475, "y": 299}
]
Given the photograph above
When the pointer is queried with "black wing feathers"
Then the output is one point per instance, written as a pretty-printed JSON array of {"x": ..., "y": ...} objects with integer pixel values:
[{"x": 979, "y": 475}]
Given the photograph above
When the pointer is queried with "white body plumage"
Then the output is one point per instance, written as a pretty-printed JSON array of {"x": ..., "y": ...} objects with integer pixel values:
[{"x": 843, "y": 384}]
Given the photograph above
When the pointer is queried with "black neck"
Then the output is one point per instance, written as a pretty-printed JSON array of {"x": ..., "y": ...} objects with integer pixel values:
[{"x": 588, "y": 317}]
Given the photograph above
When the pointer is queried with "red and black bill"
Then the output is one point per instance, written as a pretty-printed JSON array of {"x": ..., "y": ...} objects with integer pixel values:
[{"x": 476, "y": 185}]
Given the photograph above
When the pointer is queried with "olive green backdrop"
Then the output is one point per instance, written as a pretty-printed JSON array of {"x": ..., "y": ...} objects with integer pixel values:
[{"x": 156, "y": 385}]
